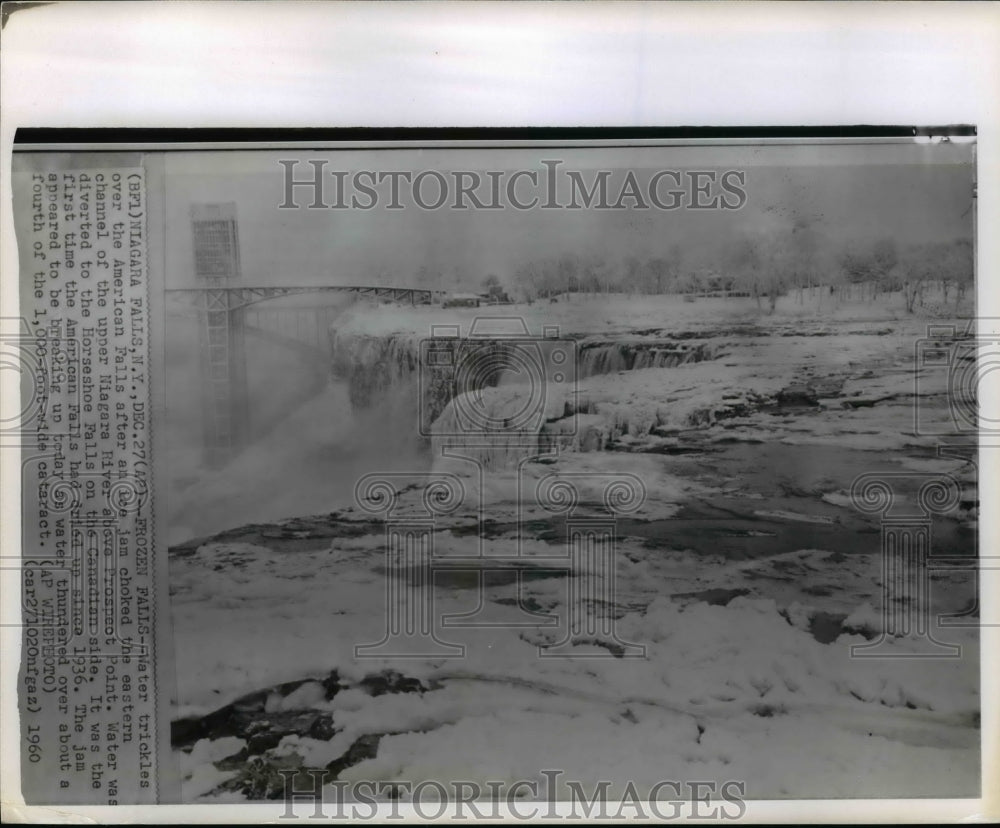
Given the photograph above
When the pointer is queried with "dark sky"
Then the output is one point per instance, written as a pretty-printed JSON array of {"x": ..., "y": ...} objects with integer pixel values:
[{"x": 910, "y": 192}]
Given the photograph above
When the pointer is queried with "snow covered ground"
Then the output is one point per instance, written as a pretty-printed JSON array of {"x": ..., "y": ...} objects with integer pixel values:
[
  {"x": 718, "y": 685},
  {"x": 620, "y": 313},
  {"x": 746, "y": 574}
]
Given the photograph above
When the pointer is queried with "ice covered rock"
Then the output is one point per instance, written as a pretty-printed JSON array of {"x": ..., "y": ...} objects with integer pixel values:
[{"x": 864, "y": 620}]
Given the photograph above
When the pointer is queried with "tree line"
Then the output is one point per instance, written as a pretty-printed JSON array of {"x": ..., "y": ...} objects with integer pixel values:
[{"x": 765, "y": 265}]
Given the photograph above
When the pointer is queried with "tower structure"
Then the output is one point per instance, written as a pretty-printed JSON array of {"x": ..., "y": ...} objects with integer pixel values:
[{"x": 222, "y": 336}]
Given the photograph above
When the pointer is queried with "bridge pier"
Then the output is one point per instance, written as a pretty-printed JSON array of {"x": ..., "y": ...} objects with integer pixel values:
[
  {"x": 222, "y": 334},
  {"x": 225, "y": 399}
]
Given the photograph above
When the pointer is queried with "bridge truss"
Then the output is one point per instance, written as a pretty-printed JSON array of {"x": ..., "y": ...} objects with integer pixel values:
[{"x": 229, "y": 298}]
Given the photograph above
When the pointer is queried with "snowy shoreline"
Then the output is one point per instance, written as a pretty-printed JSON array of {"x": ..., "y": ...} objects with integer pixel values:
[{"x": 747, "y": 574}]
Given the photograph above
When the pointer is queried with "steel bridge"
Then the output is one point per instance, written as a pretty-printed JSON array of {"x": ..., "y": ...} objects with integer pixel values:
[
  {"x": 226, "y": 315},
  {"x": 221, "y": 300},
  {"x": 229, "y": 298}
]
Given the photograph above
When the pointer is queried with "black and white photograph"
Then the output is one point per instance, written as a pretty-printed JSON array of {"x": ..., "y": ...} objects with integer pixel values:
[
  {"x": 574, "y": 468},
  {"x": 525, "y": 471}
]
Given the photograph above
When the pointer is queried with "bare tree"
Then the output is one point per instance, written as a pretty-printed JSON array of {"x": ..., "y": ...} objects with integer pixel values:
[
  {"x": 874, "y": 264},
  {"x": 919, "y": 264}
]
